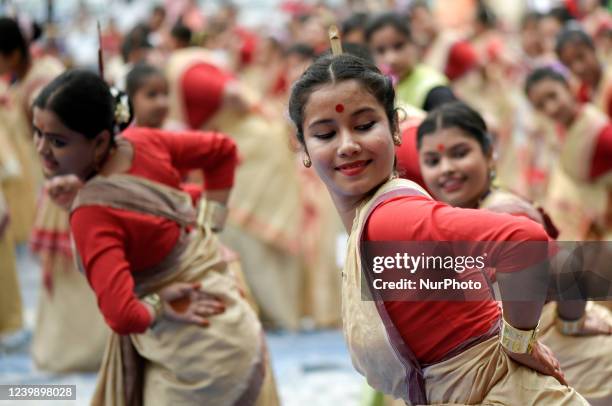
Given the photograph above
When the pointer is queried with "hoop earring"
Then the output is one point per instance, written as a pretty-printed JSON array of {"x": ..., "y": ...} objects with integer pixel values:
[
  {"x": 307, "y": 162},
  {"x": 397, "y": 140}
]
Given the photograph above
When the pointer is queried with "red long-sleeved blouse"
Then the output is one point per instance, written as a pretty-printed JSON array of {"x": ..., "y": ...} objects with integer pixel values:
[
  {"x": 115, "y": 243},
  {"x": 433, "y": 328}
]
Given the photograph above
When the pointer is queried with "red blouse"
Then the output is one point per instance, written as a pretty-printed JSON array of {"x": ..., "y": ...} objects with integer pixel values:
[
  {"x": 114, "y": 243},
  {"x": 408, "y": 156},
  {"x": 602, "y": 157},
  {"x": 203, "y": 86},
  {"x": 432, "y": 328}
]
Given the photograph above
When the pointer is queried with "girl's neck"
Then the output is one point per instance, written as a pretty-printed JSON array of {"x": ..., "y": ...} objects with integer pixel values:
[
  {"x": 347, "y": 209},
  {"x": 22, "y": 69}
]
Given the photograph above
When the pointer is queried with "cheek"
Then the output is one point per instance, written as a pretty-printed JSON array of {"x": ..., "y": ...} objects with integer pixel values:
[{"x": 430, "y": 176}]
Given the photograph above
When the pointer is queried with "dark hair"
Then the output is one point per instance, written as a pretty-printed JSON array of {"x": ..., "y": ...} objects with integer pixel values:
[
  {"x": 138, "y": 75},
  {"x": 11, "y": 38},
  {"x": 532, "y": 16},
  {"x": 417, "y": 4},
  {"x": 181, "y": 32},
  {"x": 572, "y": 34},
  {"x": 544, "y": 73},
  {"x": 456, "y": 115},
  {"x": 303, "y": 50},
  {"x": 333, "y": 69},
  {"x": 484, "y": 15},
  {"x": 400, "y": 23},
  {"x": 356, "y": 21},
  {"x": 82, "y": 101},
  {"x": 137, "y": 38}
]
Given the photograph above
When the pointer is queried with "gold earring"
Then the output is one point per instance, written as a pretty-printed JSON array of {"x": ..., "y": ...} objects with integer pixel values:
[
  {"x": 306, "y": 161},
  {"x": 397, "y": 140}
]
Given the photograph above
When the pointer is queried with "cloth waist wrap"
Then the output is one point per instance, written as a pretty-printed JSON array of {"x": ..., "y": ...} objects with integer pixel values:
[{"x": 174, "y": 362}]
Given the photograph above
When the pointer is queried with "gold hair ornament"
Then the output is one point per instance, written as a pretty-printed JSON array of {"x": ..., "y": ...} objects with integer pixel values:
[{"x": 334, "y": 39}]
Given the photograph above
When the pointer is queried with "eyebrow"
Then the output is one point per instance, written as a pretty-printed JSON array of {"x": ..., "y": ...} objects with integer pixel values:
[
  {"x": 50, "y": 134},
  {"x": 329, "y": 120}
]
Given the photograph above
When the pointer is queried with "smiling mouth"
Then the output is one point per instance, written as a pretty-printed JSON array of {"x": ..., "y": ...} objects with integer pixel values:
[
  {"x": 452, "y": 185},
  {"x": 353, "y": 168}
]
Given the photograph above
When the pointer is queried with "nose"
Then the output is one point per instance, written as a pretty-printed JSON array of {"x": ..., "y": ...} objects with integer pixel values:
[
  {"x": 348, "y": 145},
  {"x": 42, "y": 145},
  {"x": 446, "y": 165},
  {"x": 550, "y": 109},
  {"x": 390, "y": 57}
]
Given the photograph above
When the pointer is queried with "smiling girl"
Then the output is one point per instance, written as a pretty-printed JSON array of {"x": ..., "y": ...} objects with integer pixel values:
[
  {"x": 184, "y": 334},
  {"x": 421, "y": 351},
  {"x": 456, "y": 160}
]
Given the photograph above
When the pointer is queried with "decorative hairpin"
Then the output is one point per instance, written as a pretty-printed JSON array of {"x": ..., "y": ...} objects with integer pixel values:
[
  {"x": 100, "y": 54},
  {"x": 334, "y": 39}
]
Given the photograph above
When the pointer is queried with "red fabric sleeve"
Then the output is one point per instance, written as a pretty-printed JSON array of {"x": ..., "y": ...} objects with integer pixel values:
[
  {"x": 203, "y": 86},
  {"x": 194, "y": 191},
  {"x": 417, "y": 218},
  {"x": 602, "y": 158},
  {"x": 433, "y": 328},
  {"x": 462, "y": 58},
  {"x": 100, "y": 241},
  {"x": 214, "y": 153},
  {"x": 408, "y": 156}
]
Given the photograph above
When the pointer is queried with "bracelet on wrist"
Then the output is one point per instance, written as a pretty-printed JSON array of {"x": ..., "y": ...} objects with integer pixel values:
[
  {"x": 154, "y": 300},
  {"x": 212, "y": 214},
  {"x": 570, "y": 327},
  {"x": 517, "y": 340}
]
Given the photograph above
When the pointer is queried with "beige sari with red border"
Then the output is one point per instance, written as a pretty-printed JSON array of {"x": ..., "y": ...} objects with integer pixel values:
[
  {"x": 179, "y": 363},
  {"x": 479, "y": 372},
  {"x": 265, "y": 206}
]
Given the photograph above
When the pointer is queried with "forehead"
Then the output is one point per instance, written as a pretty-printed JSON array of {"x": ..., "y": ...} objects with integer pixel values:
[
  {"x": 322, "y": 102},
  {"x": 545, "y": 85},
  {"x": 47, "y": 121},
  {"x": 387, "y": 33},
  {"x": 448, "y": 137}
]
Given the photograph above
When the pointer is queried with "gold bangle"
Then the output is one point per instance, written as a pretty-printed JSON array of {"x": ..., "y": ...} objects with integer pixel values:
[
  {"x": 212, "y": 214},
  {"x": 516, "y": 340},
  {"x": 156, "y": 303}
]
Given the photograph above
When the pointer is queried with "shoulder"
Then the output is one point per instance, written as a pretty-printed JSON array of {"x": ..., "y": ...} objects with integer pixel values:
[{"x": 396, "y": 218}]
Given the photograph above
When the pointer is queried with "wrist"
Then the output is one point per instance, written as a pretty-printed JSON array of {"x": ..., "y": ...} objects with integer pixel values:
[
  {"x": 212, "y": 213},
  {"x": 517, "y": 340},
  {"x": 154, "y": 303},
  {"x": 570, "y": 327}
]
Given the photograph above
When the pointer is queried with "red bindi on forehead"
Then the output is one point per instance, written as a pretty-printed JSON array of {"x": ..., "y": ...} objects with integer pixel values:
[
  {"x": 339, "y": 108},
  {"x": 441, "y": 147}
]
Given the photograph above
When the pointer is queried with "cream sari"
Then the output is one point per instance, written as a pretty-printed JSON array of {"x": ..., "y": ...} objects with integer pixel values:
[
  {"x": 21, "y": 193},
  {"x": 480, "y": 372},
  {"x": 11, "y": 313},
  {"x": 179, "y": 363},
  {"x": 265, "y": 207},
  {"x": 581, "y": 209},
  {"x": 587, "y": 360}
]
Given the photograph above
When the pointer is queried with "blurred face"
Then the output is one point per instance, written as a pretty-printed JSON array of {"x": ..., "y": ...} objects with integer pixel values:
[
  {"x": 9, "y": 62},
  {"x": 296, "y": 65},
  {"x": 348, "y": 139},
  {"x": 553, "y": 99},
  {"x": 549, "y": 28},
  {"x": 422, "y": 25},
  {"x": 454, "y": 167},
  {"x": 63, "y": 151},
  {"x": 582, "y": 61},
  {"x": 151, "y": 102},
  {"x": 356, "y": 36},
  {"x": 392, "y": 50},
  {"x": 530, "y": 39}
]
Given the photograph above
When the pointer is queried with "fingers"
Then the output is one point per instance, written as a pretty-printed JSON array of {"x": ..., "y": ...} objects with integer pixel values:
[{"x": 208, "y": 309}]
